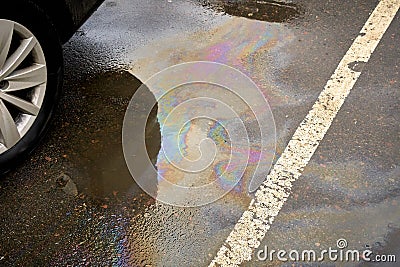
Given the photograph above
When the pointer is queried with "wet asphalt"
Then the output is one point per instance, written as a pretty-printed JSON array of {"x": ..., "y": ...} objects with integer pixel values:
[{"x": 74, "y": 203}]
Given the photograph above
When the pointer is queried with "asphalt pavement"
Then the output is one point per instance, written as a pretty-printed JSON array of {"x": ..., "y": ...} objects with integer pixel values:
[{"x": 73, "y": 202}]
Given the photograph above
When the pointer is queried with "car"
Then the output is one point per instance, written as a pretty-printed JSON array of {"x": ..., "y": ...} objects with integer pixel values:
[{"x": 32, "y": 33}]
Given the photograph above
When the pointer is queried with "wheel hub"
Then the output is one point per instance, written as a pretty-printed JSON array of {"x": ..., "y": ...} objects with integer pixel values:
[{"x": 3, "y": 85}]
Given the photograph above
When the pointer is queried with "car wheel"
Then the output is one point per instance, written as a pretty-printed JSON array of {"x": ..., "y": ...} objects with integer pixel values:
[{"x": 31, "y": 67}]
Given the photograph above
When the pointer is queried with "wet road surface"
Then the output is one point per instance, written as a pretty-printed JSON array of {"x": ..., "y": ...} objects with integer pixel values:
[{"x": 73, "y": 202}]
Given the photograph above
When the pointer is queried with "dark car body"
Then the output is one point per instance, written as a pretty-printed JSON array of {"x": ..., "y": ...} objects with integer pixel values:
[{"x": 67, "y": 15}]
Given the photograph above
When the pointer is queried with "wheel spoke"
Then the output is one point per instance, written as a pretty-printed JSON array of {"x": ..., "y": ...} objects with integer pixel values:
[
  {"x": 6, "y": 32},
  {"x": 21, "y": 104},
  {"x": 8, "y": 128},
  {"x": 26, "y": 78},
  {"x": 18, "y": 56}
]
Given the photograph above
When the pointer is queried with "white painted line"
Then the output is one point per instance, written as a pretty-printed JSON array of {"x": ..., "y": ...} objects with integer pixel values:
[{"x": 272, "y": 194}]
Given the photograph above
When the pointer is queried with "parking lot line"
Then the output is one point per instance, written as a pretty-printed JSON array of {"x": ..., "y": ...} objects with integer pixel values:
[{"x": 272, "y": 194}]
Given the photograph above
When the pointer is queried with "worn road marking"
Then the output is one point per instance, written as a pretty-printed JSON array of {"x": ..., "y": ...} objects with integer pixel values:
[{"x": 272, "y": 194}]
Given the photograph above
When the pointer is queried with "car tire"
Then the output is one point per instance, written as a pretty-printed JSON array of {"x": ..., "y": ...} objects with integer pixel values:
[{"x": 30, "y": 121}]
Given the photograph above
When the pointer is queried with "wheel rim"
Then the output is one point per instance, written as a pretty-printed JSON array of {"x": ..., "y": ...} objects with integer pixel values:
[{"x": 23, "y": 79}]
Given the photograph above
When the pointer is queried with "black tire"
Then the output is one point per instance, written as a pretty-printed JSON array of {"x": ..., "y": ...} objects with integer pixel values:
[{"x": 33, "y": 18}]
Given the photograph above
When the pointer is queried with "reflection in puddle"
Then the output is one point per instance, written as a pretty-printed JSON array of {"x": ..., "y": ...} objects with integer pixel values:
[
  {"x": 270, "y": 11},
  {"x": 94, "y": 129},
  {"x": 231, "y": 127},
  {"x": 217, "y": 131}
]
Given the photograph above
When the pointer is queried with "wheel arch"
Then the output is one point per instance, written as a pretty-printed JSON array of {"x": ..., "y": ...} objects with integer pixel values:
[
  {"x": 60, "y": 15},
  {"x": 66, "y": 15}
]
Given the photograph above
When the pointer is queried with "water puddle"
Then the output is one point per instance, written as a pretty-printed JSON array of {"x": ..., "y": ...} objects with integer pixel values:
[
  {"x": 270, "y": 11},
  {"x": 92, "y": 124}
]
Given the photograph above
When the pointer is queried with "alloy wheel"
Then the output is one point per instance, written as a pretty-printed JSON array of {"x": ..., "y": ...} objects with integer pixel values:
[{"x": 23, "y": 79}]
